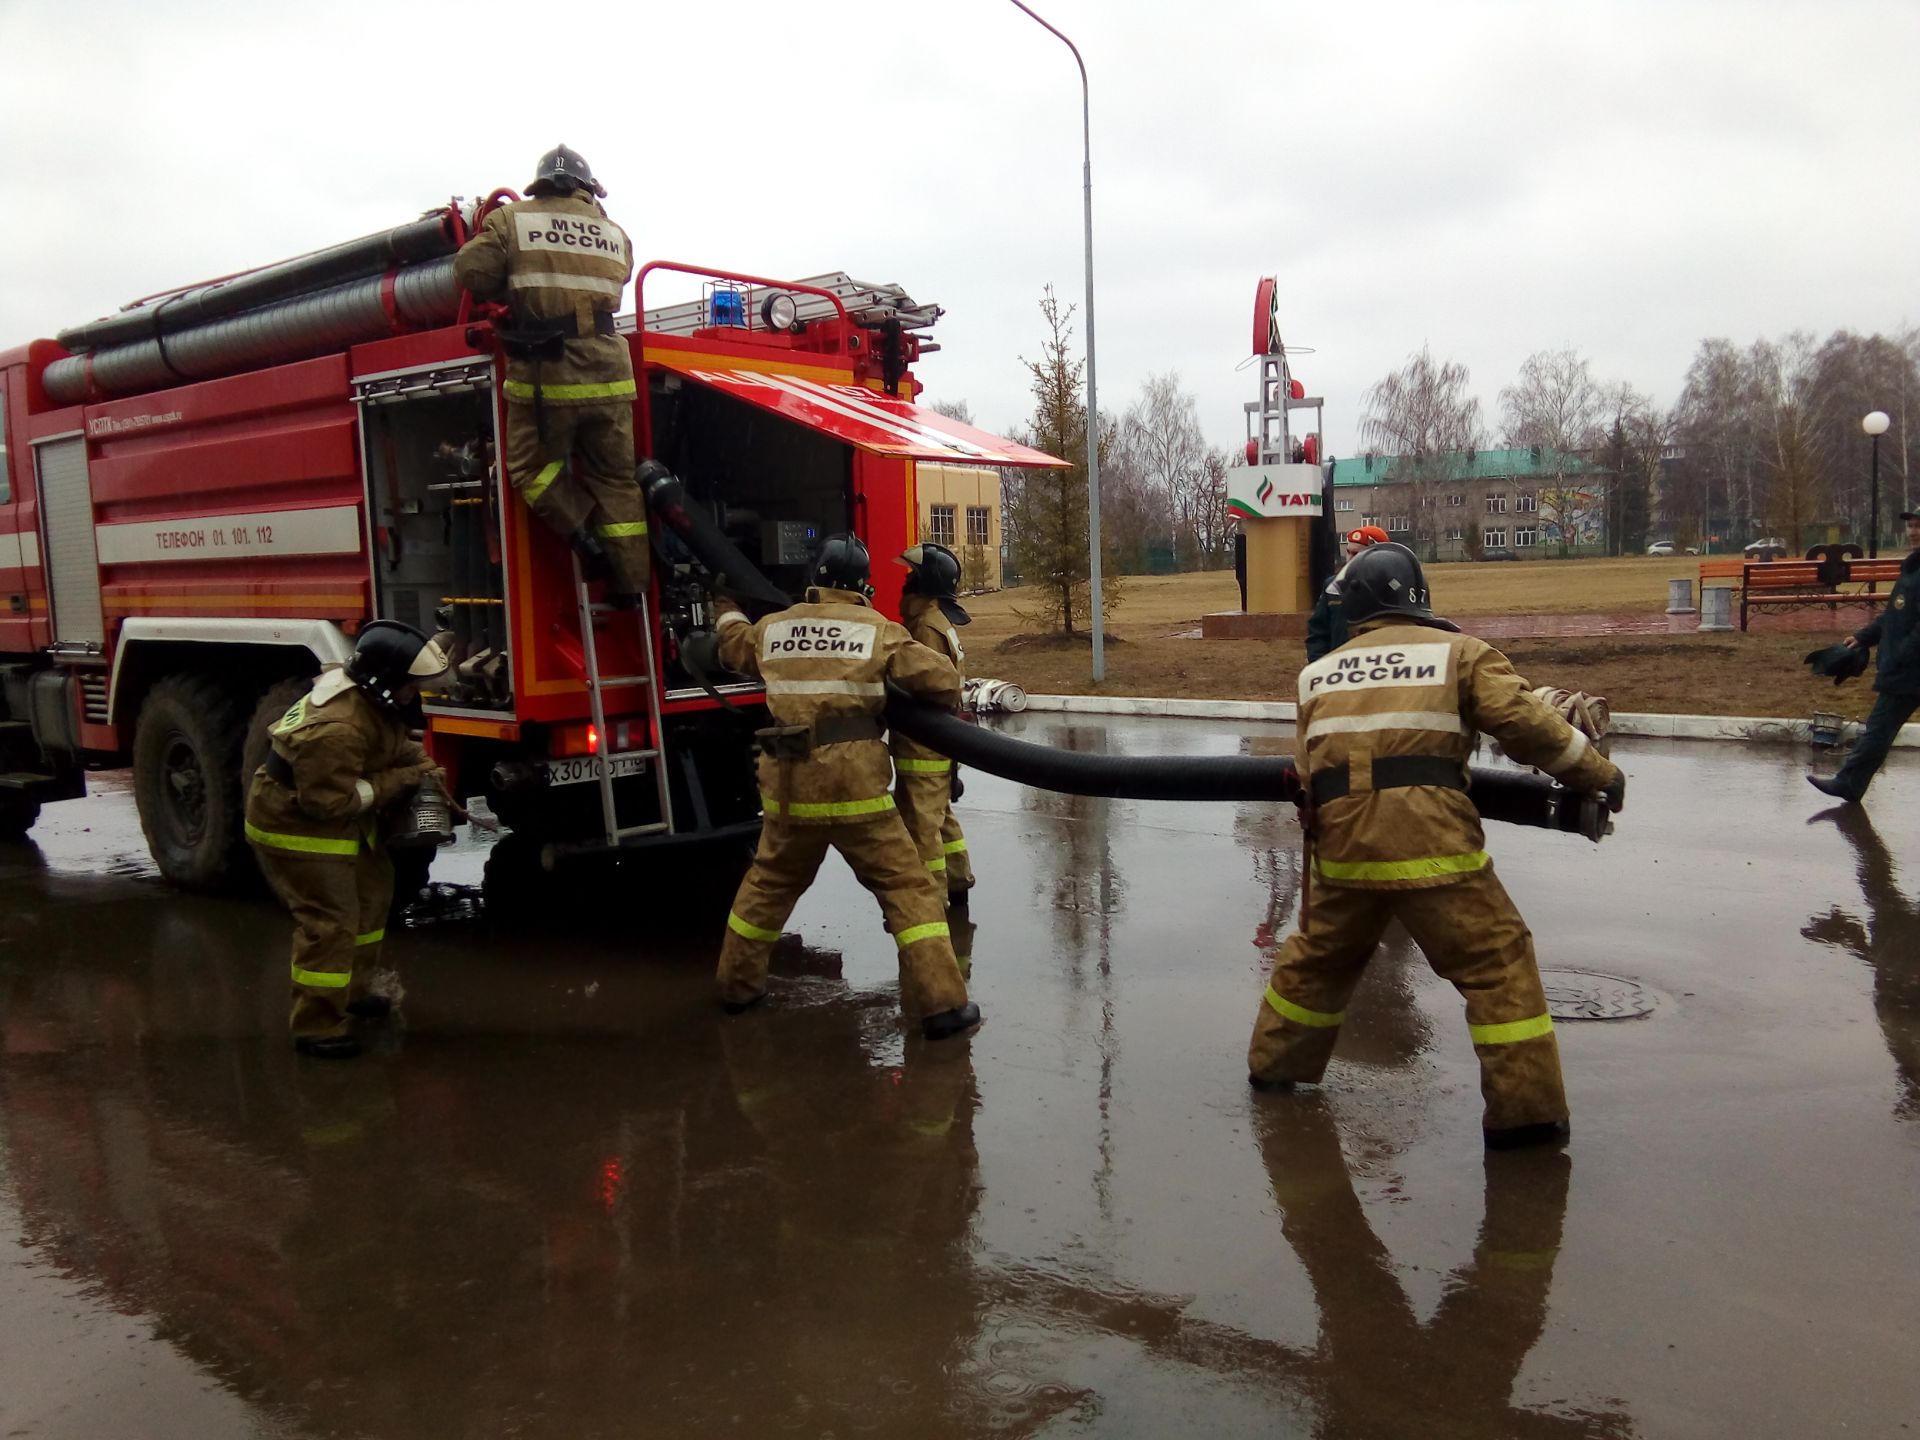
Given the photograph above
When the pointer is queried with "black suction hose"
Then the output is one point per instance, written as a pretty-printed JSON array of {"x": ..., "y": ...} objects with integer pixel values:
[{"x": 1516, "y": 797}]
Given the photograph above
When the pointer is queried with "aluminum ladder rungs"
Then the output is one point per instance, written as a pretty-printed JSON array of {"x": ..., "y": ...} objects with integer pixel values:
[
  {"x": 658, "y": 827},
  {"x": 597, "y": 684}
]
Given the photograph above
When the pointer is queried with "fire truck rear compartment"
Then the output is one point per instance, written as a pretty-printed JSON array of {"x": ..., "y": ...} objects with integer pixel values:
[
  {"x": 775, "y": 488},
  {"x": 436, "y": 523}
]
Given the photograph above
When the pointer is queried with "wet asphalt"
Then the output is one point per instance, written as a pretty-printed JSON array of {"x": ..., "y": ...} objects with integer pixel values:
[{"x": 564, "y": 1196}]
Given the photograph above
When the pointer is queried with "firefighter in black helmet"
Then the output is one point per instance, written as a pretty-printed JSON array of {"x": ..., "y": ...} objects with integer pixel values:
[
  {"x": 825, "y": 781},
  {"x": 560, "y": 265},
  {"x": 925, "y": 781},
  {"x": 1387, "y": 722},
  {"x": 341, "y": 756}
]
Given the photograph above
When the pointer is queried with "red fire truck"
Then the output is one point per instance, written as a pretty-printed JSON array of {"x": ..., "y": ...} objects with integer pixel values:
[{"x": 204, "y": 496}]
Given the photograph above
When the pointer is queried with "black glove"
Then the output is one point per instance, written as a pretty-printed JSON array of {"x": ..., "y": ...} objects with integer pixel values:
[
  {"x": 958, "y": 787},
  {"x": 1842, "y": 662},
  {"x": 1616, "y": 792},
  {"x": 700, "y": 652}
]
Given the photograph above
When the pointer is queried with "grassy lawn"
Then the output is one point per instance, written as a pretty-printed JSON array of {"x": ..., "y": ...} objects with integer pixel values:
[{"x": 1753, "y": 674}]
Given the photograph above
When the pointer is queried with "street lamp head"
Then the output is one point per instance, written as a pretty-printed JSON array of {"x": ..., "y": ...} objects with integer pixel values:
[{"x": 1875, "y": 422}]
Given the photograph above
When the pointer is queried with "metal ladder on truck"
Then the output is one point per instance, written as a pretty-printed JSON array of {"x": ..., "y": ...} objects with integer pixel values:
[{"x": 597, "y": 685}]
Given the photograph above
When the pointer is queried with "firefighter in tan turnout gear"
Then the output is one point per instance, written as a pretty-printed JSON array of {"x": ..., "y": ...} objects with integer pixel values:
[
  {"x": 341, "y": 756},
  {"x": 926, "y": 782},
  {"x": 561, "y": 266},
  {"x": 1387, "y": 723},
  {"x": 825, "y": 781}
]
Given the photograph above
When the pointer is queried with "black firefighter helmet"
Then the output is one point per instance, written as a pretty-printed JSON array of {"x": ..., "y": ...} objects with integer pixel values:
[
  {"x": 1387, "y": 580},
  {"x": 390, "y": 656},
  {"x": 842, "y": 564},
  {"x": 935, "y": 574},
  {"x": 562, "y": 171}
]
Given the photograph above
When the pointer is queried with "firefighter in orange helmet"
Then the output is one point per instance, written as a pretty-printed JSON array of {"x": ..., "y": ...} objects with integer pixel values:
[
  {"x": 342, "y": 755},
  {"x": 926, "y": 782},
  {"x": 825, "y": 780},
  {"x": 560, "y": 265},
  {"x": 1327, "y": 626},
  {"x": 1387, "y": 723}
]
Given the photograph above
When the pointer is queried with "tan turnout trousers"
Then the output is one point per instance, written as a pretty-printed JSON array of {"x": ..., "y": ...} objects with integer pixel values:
[
  {"x": 880, "y": 854},
  {"x": 339, "y": 907}
]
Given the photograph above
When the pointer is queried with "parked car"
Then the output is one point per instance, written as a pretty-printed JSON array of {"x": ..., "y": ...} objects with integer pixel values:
[
  {"x": 1772, "y": 548},
  {"x": 1667, "y": 547}
]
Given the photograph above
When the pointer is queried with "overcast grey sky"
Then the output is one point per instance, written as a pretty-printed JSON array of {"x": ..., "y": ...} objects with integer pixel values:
[{"x": 1491, "y": 178}]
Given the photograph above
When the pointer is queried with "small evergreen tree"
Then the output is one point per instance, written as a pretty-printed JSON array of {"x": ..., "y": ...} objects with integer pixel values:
[{"x": 1051, "y": 547}]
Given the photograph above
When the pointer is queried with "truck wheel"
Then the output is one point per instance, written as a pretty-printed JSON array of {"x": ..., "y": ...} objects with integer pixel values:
[
  {"x": 516, "y": 890},
  {"x": 275, "y": 703},
  {"x": 186, "y": 772},
  {"x": 17, "y": 815}
]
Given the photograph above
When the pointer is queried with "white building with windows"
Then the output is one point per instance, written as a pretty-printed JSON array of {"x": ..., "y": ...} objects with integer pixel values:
[{"x": 1516, "y": 503}]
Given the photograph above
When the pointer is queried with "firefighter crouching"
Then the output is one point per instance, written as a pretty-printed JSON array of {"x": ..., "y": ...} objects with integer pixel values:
[
  {"x": 341, "y": 756},
  {"x": 925, "y": 781},
  {"x": 825, "y": 781},
  {"x": 1387, "y": 724},
  {"x": 561, "y": 265}
]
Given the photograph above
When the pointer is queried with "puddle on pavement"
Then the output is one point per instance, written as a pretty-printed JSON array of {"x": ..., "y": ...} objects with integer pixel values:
[{"x": 564, "y": 1196}]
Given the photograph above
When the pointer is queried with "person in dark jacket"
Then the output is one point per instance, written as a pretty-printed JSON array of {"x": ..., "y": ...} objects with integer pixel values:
[
  {"x": 1896, "y": 630},
  {"x": 1327, "y": 626}
]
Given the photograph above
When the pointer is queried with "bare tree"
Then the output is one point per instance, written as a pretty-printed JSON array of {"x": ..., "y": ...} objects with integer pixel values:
[
  {"x": 954, "y": 410},
  {"x": 1423, "y": 415},
  {"x": 1787, "y": 410},
  {"x": 1168, "y": 451},
  {"x": 1715, "y": 421},
  {"x": 1558, "y": 409}
]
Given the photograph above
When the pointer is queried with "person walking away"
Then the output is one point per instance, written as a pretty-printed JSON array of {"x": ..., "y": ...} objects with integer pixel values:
[
  {"x": 1327, "y": 625},
  {"x": 1387, "y": 724},
  {"x": 826, "y": 781},
  {"x": 1896, "y": 678},
  {"x": 341, "y": 757},
  {"x": 560, "y": 265},
  {"x": 926, "y": 783}
]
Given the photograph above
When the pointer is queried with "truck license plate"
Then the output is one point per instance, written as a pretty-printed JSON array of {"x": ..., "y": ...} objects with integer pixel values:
[{"x": 581, "y": 769}]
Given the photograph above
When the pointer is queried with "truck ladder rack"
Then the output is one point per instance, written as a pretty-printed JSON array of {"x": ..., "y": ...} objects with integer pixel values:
[{"x": 597, "y": 684}]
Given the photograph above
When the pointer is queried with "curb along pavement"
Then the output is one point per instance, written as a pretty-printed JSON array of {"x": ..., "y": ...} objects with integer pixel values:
[{"x": 1759, "y": 729}]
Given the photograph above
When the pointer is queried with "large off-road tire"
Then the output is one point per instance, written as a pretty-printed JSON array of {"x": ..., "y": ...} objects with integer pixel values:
[
  {"x": 186, "y": 782},
  {"x": 275, "y": 703},
  {"x": 516, "y": 890},
  {"x": 17, "y": 814}
]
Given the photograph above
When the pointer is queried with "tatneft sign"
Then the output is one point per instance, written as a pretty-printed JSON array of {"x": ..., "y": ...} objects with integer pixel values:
[
  {"x": 331, "y": 531},
  {"x": 1275, "y": 492}
]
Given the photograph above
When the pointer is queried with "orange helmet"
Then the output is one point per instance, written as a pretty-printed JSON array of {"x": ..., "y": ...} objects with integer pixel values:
[{"x": 1367, "y": 535}]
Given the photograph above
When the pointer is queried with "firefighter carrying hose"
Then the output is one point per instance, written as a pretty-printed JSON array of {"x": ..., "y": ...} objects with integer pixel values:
[
  {"x": 926, "y": 783},
  {"x": 825, "y": 780},
  {"x": 341, "y": 756},
  {"x": 561, "y": 265},
  {"x": 1387, "y": 723}
]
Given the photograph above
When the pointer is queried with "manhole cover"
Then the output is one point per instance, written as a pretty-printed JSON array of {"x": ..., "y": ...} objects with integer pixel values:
[{"x": 1590, "y": 995}]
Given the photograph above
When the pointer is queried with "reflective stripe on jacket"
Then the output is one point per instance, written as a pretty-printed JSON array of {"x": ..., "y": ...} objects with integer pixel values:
[
  {"x": 1398, "y": 688},
  {"x": 350, "y": 760},
  {"x": 549, "y": 258},
  {"x": 832, "y": 656}
]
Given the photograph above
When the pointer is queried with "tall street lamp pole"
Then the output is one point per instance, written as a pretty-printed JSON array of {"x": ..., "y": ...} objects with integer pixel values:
[
  {"x": 1093, "y": 401},
  {"x": 1875, "y": 423}
]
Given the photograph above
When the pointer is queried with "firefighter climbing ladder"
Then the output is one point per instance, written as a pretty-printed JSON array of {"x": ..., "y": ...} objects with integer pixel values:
[{"x": 653, "y": 757}]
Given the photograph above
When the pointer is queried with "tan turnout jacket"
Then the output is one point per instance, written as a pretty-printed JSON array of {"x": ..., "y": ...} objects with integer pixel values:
[
  {"x": 1398, "y": 688},
  {"x": 832, "y": 656},
  {"x": 351, "y": 759},
  {"x": 928, "y": 625},
  {"x": 549, "y": 257}
]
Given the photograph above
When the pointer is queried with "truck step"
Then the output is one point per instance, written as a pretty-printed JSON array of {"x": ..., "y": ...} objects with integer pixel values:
[{"x": 24, "y": 780}]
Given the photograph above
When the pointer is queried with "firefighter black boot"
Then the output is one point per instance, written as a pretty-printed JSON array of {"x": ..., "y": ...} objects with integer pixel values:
[
  {"x": 950, "y": 1022},
  {"x": 593, "y": 557},
  {"x": 327, "y": 1047},
  {"x": 1515, "y": 1137}
]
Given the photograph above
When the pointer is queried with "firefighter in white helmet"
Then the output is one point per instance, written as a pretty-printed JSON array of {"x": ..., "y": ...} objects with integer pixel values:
[
  {"x": 342, "y": 755},
  {"x": 925, "y": 781},
  {"x": 560, "y": 265},
  {"x": 826, "y": 782},
  {"x": 1387, "y": 723}
]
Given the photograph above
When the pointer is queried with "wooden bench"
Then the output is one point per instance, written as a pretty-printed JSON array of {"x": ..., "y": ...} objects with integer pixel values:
[{"x": 1817, "y": 580}]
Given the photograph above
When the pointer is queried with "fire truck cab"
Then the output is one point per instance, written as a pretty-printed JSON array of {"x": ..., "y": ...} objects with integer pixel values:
[{"x": 205, "y": 496}]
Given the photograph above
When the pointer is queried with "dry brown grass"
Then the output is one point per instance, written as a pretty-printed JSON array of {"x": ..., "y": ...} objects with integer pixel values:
[{"x": 1751, "y": 674}]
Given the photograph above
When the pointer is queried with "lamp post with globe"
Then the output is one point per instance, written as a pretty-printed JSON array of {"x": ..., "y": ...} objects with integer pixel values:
[{"x": 1875, "y": 423}]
